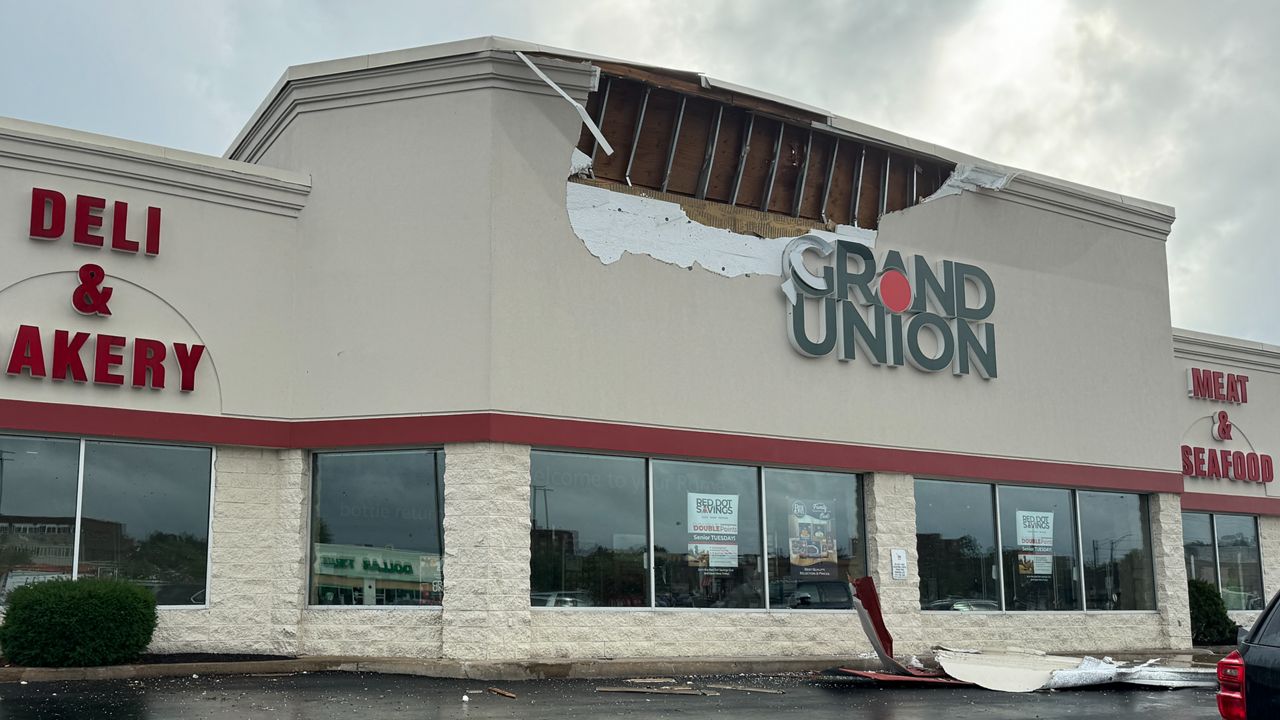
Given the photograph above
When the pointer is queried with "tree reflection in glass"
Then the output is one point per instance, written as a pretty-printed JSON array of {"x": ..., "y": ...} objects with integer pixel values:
[
  {"x": 956, "y": 541},
  {"x": 145, "y": 517},
  {"x": 589, "y": 532}
]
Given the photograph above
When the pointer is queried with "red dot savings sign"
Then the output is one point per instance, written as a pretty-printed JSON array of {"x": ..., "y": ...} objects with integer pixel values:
[
  {"x": 934, "y": 316},
  {"x": 61, "y": 355}
]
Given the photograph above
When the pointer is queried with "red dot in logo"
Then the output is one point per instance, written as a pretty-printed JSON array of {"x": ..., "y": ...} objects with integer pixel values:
[{"x": 895, "y": 291}]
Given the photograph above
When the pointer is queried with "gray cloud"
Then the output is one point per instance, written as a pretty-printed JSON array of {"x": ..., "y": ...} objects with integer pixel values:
[{"x": 1172, "y": 102}]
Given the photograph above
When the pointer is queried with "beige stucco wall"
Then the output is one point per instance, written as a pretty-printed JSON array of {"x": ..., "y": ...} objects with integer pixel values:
[
  {"x": 417, "y": 257},
  {"x": 223, "y": 276},
  {"x": 434, "y": 243},
  {"x": 647, "y": 342}
]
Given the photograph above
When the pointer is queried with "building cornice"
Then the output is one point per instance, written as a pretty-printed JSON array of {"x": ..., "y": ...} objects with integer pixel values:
[
  {"x": 1192, "y": 345},
  {"x": 351, "y": 83},
  {"x": 1088, "y": 204},
  {"x": 58, "y": 151}
]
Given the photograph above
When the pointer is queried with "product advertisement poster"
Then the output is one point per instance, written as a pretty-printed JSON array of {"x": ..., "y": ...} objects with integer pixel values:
[
  {"x": 1035, "y": 540},
  {"x": 812, "y": 539},
  {"x": 713, "y": 530}
]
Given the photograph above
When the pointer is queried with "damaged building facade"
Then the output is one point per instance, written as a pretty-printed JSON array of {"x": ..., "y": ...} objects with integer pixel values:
[{"x": 493, "y": 351}]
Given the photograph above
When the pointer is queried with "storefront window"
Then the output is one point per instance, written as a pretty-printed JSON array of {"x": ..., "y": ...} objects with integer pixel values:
[
  {"x": 956, "y": 542},
  {"x": 590, "y": 531},
  {"x": 814, "y": 538},
  {"x": 1197, "y": 546},
  {"x": 1239, "y": 562},
  {"x": 1116, "y": 541},
  {"x": 376, "y": 528},
  {"x": 145, "y": 517},
  {"x": 706, "y": 525},
  {"x": 38, "y": 478},
  {"x": 1038, "y": 539}
]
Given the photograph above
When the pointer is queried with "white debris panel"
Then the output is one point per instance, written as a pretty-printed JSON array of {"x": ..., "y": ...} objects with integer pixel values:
[
  {"x": 611, "y": 224},
  {"x": 1028, "y": 671},
  {"x": 973, "y": 177}
]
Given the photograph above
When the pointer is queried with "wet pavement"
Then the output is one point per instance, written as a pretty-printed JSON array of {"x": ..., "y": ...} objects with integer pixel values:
[{"x": 357, "y": 695}]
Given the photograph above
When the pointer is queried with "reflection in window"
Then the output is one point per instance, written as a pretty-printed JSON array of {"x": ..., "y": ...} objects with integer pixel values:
[
  {"x": 375, "y": 528},
  {"x": 814, "y": 538},
  {"x": 706, "y": 525},
  {"x": 38, "y": 479},
  {"x": 1038, "y": 538},
  {"x": 1197, "y": 546},
  {"x": 956, "y": 542},
  {"x": 1118, "y": 573},
  {"x": 145, "y": 517},
  {"x": 1239, "y": 561},
  {"x": 589, "y": 531}
]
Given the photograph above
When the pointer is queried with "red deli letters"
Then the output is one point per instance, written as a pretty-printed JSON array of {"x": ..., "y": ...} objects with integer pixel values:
[{"x": 49, "y": 222}]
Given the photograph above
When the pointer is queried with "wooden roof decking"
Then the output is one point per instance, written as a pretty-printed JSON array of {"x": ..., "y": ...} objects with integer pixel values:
[{"x": 671, "y": 134}]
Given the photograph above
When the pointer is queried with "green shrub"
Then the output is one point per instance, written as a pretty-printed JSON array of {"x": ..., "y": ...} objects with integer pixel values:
[
  {"x": 1210, "y": 624},
  {"x": 77, "y": 623}
]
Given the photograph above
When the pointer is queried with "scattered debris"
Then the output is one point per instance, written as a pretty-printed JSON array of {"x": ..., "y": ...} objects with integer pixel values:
[
  {"x": 1025, "y": 671},
  {"x": 677, "y": 690},
  {"x": 652, "y": 681},
  {"x": 1013, "y": 670},
  {"x": 503, "y": 693},
  {"x": 475, "y": 692},
  {"x": 906, "y": 679},
  {"x": 741, "y": 688},
  {"x": 1169, "y": 677},
  {"x": 466, "y": 698}
]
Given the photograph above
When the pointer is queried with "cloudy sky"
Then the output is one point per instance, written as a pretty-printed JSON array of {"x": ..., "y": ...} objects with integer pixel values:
[{"x": 1176, "y": 102}]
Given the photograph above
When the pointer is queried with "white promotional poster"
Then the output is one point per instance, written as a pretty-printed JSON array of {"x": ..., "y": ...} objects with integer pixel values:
[
  {"x": 713, "y": 530},
  {"x": 1035, "y": 529}
]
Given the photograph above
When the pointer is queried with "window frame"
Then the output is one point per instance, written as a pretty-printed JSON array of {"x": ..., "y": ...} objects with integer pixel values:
[
  {"x": 1078, "y": 569},
  {"x": 82, "y": 441},
  {"x": 309, "y": 541},
  {"x": 1217, "y": 554},
  {"x": 761, "y": 488},
  {"x": 646, "y": 560}
]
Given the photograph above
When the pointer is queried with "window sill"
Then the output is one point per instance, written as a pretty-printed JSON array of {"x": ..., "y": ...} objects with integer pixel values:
[
  {"x": 365, "y": 608},
  {"x": 771, "y": 611}
]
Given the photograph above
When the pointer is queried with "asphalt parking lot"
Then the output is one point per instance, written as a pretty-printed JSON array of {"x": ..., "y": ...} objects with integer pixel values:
[{"x": 360, "y": 695}]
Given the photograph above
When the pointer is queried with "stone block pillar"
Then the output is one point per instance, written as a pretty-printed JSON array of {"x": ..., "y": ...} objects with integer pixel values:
[
  {"x": 1170, "y": 569},
  {"x": 258, "y": 550},
  {"x": 486, "y": 552},
  {"x": 890, "y": 503}
]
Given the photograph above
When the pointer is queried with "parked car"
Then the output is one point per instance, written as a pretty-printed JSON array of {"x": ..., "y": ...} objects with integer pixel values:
[
  {"x": 561, "y": 599},
  {"x": 1249, "y": 678},
  {"x": 964, "y": 604},
  {"x": 811, "y": 594}
]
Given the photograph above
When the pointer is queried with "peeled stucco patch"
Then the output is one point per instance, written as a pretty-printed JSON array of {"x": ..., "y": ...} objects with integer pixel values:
[
  {"x": 612, "y": 223},
  {"x": 973, "y": 177},
  {"x": 579, "y": 163}
]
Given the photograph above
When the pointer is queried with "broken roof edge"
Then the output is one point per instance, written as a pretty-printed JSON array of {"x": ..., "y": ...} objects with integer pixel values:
[
  {"x": 424, "y": 53},
  {"x": 1158, "y": 212}
]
